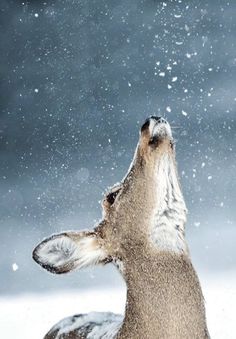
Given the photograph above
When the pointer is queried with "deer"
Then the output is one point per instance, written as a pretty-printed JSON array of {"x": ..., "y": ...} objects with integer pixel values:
[{"x": 142, "y": 232}]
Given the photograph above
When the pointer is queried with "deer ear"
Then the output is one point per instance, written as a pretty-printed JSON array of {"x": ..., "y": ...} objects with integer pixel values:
[{"x": 64, "y": 252}]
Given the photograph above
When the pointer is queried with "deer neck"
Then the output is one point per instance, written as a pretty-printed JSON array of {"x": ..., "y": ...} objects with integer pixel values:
[
  {"x": 156, "y": 274},
  {"x": 167, "y": 230},
  {"x": 158, "y": 286}
]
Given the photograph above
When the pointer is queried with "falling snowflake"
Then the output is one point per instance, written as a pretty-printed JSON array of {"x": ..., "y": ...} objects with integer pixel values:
[{"x": 15, "y": 267}]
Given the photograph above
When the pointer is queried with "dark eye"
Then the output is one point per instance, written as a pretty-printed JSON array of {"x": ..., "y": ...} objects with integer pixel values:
[{"x": 111, "y": 197}]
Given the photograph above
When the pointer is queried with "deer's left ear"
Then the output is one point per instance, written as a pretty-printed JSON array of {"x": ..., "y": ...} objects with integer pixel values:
[{"x": 64, "y": 252}]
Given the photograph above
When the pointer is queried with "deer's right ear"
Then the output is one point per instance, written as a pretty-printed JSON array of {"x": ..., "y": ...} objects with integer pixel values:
[{"x": 64, "y": 252}]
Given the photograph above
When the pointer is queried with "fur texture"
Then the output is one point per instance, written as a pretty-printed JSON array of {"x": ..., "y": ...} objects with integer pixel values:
[
  {"x": 92, "y": 326},
  {"x": 143, "y": 233},
  {"x": 167, "y": 231},
  {"x": 64, "y": 252}
]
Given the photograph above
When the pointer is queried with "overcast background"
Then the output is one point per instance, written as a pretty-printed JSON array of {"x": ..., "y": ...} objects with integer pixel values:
[{"x": 78, "y": 78}]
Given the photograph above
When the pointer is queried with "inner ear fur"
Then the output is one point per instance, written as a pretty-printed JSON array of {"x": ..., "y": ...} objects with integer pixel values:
[{"x": 64, "y": 252}]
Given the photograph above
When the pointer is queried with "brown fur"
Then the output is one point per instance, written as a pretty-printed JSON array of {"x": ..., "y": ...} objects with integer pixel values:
[{"x": 164, "y": 297}]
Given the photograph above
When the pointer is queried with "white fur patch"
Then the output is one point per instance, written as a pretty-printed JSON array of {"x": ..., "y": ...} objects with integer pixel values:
[
  {"x": 169, "y": 218},
  {"x": 64, "y": 252},
  {"x": 161, "y": 129}
]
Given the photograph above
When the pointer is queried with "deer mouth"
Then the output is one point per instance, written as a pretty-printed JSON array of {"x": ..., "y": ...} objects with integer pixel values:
[{"x": 158, "y": 129}]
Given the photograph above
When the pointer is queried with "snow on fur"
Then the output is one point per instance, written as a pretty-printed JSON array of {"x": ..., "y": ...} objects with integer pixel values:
[{"x": 100, "y": 325}]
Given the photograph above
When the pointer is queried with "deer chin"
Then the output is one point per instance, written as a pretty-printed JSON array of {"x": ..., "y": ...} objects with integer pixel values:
[
  {"x": 162, "y": 130},
  {"x": 155, "y": 135},
  {"x": 159, "y": 132}
]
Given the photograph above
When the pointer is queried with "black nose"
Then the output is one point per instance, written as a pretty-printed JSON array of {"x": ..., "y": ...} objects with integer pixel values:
[{"x": 159, "y": 120}]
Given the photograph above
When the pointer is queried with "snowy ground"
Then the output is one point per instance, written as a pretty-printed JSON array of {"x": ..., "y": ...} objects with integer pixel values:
[{"x": 30, "y": 316}]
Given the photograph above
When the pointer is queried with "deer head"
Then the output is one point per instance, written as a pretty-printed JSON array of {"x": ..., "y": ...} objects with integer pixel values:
[{"x": 142, "y": 216}]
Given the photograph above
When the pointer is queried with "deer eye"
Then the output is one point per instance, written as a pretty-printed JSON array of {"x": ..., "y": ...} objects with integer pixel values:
[{"x": 111, "y": 197}]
